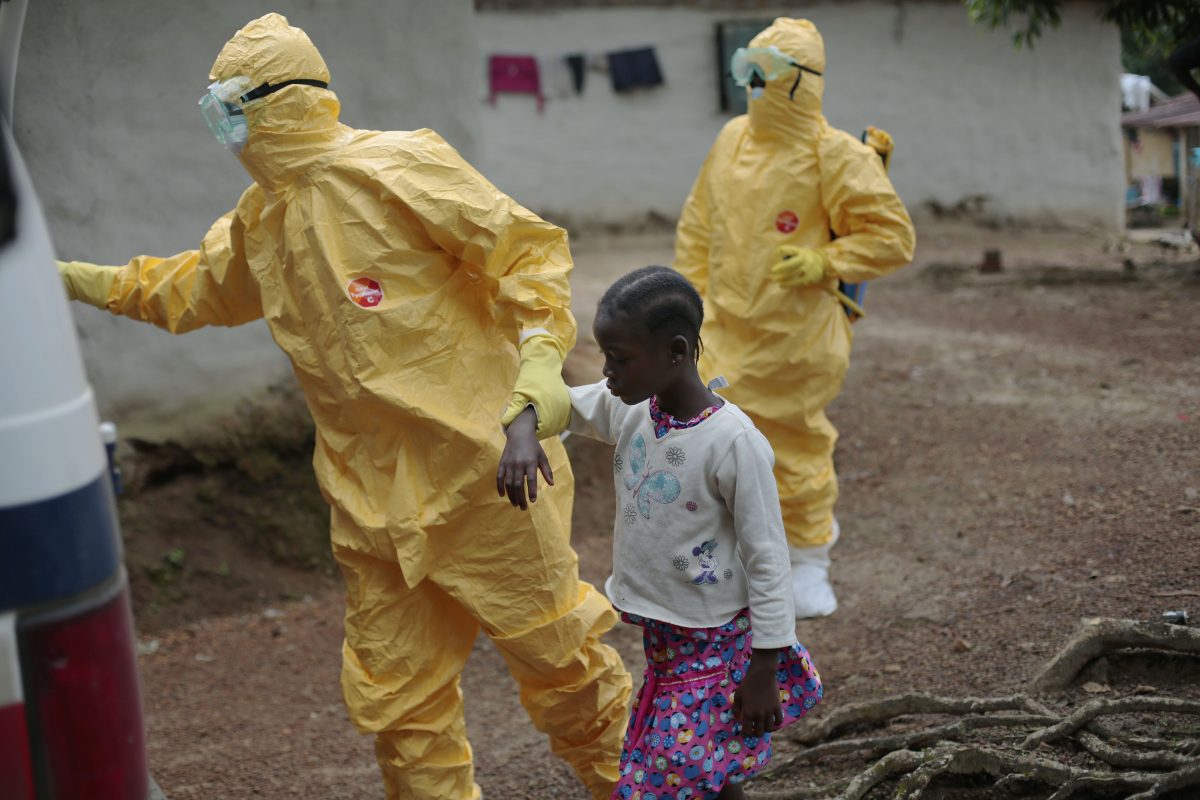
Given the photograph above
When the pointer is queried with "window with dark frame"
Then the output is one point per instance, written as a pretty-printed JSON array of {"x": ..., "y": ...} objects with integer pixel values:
[{"x": 730, "y": 36}]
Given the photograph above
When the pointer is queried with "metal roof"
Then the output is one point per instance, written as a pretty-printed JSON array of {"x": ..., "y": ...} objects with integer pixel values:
[{"x": 1178, "y": 112}]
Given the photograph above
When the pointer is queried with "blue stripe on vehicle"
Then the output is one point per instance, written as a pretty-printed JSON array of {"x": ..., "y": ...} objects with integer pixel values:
[{"x": 60, "y": 546}]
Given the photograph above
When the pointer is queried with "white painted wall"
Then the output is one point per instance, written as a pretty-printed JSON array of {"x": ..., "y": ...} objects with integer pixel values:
[
  {"x": 106, "y": 117},
  {"x": 1038, "y": 131}
]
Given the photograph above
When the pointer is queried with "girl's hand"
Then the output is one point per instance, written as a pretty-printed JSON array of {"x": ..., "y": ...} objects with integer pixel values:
[
  {"x": 756, "y": 702},
  {"x": 521, "y": 460}
]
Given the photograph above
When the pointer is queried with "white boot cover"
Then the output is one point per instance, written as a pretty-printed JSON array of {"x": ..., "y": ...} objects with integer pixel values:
[{"x": 810, "y": 578}]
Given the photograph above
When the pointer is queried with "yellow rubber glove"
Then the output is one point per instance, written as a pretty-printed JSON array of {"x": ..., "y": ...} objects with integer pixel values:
[
  {"x": 800, "y": 266},
  {"x": 881, "y": 142},
  {"x": 88, "y": 283},
  {"x": 540, "y": 384}
]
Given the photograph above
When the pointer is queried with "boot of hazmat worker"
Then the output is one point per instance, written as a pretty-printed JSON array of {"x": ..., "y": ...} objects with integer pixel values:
[
  {"x": 784, "y": 208},
  {"x": 426, "y": 317}
]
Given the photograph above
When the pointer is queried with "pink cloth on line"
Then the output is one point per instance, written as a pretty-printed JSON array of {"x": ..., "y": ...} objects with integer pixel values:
[{"x": 514, "y": 75}]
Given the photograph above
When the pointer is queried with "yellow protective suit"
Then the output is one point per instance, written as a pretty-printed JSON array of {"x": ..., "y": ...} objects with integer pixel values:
[
  {"x": 780, "y": 175},
  {"x": 399, "y": 282}
]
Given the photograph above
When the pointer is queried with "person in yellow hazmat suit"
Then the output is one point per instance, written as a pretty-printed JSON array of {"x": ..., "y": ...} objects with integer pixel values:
[
  {"x": 784, "y": 207},
  {"x": 422, "y": 311}
]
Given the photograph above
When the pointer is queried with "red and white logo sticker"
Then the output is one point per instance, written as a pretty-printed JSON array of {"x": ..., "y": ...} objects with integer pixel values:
[
  {"x": 786, "y": 222},
  {"x": 364, "y": 291}
]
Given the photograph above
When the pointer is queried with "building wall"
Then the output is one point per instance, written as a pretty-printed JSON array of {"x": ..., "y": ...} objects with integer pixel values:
[
  {"x": 1155, "y": 154},
  {"x": 1035, "y": 131},
  {"x": 106, "y": 117}
]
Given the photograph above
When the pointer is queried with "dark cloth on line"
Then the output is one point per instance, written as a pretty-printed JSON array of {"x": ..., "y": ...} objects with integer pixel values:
[
  {"x": 634, "y": 69},
  {"x": 577, "y": 63}
]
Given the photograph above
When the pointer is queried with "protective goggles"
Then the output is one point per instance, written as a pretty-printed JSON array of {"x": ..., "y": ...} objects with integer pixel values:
[
  {"x": 221, "y": 106},
  {"x": 768, "y": 63}
]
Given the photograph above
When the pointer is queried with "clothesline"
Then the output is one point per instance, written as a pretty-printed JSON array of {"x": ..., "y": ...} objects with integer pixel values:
[
  {"x": 560, "y": 74},
  {"x": 659, "y": 44}
]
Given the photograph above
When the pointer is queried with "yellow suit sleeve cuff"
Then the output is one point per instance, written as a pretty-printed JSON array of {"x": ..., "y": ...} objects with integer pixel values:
[
  {"x": 540, "y": 384},
  {"x": 88, "y": 283}
]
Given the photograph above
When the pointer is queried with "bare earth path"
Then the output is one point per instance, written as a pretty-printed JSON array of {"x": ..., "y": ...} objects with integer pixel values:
[{"x": 1018, "y": 451}]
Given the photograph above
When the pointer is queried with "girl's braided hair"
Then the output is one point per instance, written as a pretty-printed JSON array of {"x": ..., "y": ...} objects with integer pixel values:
[{"x": 661, "y": 300}]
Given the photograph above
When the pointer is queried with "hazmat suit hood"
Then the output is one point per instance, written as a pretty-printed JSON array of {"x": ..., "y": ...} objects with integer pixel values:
[
  {"x": 798, "y": 116},
  {"x": 293, "y": 128}
]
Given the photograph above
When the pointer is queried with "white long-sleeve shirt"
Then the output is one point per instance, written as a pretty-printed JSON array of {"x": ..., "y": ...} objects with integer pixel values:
[{"x": 698, "y": 534}]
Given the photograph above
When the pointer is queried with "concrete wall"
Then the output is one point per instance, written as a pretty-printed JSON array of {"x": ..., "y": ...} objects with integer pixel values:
[
  {"x": 106, "y": 117},
  {"x": 1036, "y": 131}
]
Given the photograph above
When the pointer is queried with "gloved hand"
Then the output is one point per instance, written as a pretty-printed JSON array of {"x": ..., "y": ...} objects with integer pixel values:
[
  {"x": 800, "y": 266},
  {"x": 881, "y": 142},
  {"x": 540, "y": 384},
  {"x": 89, "y": 283}
]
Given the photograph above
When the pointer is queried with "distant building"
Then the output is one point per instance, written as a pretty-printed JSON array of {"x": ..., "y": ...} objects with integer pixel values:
[
  {"x": 1032, "y": 134},
  {"x": 1162, "y": 143}
]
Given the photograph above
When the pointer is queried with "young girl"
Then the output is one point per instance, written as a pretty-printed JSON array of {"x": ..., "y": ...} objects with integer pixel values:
[{"x": 699, "y": 552}]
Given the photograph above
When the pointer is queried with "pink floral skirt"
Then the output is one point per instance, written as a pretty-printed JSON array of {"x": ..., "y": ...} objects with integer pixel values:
[{"x": 683, "y": 740}]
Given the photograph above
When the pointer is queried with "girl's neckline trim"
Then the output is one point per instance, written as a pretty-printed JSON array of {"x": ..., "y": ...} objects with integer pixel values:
[{"x": 664, "y": 423}]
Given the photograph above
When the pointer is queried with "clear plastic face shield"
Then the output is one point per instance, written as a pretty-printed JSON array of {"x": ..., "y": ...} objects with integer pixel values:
[
  {"x": 756, "y": 66},
  {"x": 222, "y": 106}
]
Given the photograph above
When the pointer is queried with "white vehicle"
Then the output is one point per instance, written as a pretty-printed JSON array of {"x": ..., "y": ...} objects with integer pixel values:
[{"x": 70, "y": 703}]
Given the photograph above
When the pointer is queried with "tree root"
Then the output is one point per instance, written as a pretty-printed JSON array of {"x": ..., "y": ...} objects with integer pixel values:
[
  {"x": 1102, "y": 636},
  {"x": 916, "y": 770},
  {"x": 888, "y": 708},
  {"x": 1179, "y": 779},
  {"x": 1124, "y": 705},
  {"x": 969, "y": 760},
  {"x": 1117, "y": 763},
  {"x": 1185, "y": 746},
  {"x": 877, "y": 745},
  {"x": 1118, "y": 757}
]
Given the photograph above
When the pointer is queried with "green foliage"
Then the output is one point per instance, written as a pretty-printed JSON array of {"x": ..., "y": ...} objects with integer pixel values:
[
  {"x": 999, "y": 13},
  {"x": 1153, "y": 27},
  {"x": 1135, "y": 59}
]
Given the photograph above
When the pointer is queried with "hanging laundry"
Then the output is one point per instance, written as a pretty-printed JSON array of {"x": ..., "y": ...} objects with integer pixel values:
[
  {"x": 556, "y": 77},
  {"x": 634, "y": 69},
  {"x": 514, "y": 75},
  {"x": 577, "y": 63}
]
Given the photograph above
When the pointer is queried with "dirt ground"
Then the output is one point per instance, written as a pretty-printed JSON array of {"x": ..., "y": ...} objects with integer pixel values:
[{"x": 1018, "y": 451}]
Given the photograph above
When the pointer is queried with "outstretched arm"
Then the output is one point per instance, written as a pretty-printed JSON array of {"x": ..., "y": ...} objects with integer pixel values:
[{"x": 208, "y": 286}]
